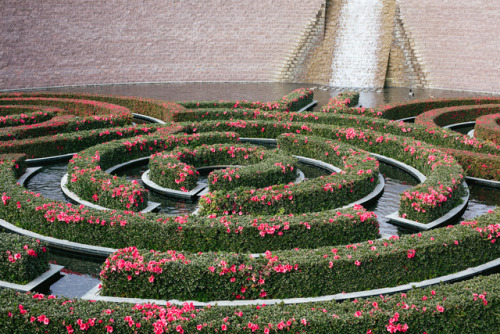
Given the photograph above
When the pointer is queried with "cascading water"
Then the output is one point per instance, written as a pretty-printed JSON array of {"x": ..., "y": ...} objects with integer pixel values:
[{"x": 355, "y": 60}]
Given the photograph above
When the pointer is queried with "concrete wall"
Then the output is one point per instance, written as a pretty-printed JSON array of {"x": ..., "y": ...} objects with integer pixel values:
[{"x": 451, "y": 44}]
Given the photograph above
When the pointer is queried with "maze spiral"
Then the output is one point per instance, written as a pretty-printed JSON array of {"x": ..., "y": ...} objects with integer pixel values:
[{"x": 310, "y": 243}]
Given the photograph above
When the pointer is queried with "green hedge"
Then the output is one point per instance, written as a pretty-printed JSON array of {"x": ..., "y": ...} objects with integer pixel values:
[
  {"x": 293, "y": 101},
  {"x": 488, "y": 128},
  {"x": 415, "y": 108},
  {"x": 452, "y": 115},
  {"x": 150, "y": 107},
  {"x": 283, "y": 274},
  {"x": 26, "y": 117},
  {"x": 163, "y": 232},
  {"x": 87, "y": 179},
  {"x": 357, "y": 180},
  {"x": 65, "y": 143},
  {"x": 262, "y": 167},
  {"x": 422, "y": 156},
  {"x": 464, "y": 307},
  {"x": 22, "y": 259}
]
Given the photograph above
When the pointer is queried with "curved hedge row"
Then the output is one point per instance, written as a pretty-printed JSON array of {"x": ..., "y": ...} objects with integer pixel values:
[
  {"x": 175, "y": 170},
  {"x": 88, "y": 180},
  {"x": 466, "y": 307},
  {"x": 358, "y": 179},
  {"x": 282, "y": 274},
  {"x": 452, "y": 115},
  {"x": 190, "y": 233},
  {"x": 424, "y": 157},
  {"x": 488, "y": 128},
  {"x": 22, "y": 259}
]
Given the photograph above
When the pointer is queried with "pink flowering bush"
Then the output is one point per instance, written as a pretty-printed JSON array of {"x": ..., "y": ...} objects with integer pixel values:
[
  {"x": 256, "y": 167},
  {"x": 22, "y": 259},
  {"x": 455, "y": 114},
  {"x": 359, "y": 178},
  {"x": 446, "y": 307},
  {"x": 281, "y": 274},
  {"x": 192, "y": 233},
  {"x": 488, "y": 128}
]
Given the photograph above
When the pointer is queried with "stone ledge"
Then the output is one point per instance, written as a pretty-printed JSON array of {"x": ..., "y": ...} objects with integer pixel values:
[{"x": 53, "y": 271}]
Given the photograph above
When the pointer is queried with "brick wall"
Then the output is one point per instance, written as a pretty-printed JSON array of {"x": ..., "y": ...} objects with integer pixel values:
[{"x": 71, "y": 42}]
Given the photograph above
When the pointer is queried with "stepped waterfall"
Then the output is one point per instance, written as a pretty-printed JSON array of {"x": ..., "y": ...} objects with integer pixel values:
[{"x": 355, "y": 59}]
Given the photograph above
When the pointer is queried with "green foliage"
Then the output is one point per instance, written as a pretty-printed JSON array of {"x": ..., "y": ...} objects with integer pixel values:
[{"x": 22, "y": 259}]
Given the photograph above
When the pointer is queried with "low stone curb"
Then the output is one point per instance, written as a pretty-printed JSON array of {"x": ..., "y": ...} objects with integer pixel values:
[
  {"x": 447, "y": 218},
  {"x": 93, "y": 294},
  {"x": 459, "y": 125},
  {"x": 47, "y": 276},
  {"x": 49, "y": 160},
  {"x": 28, "y": 174},
  {"x": 313, "y": 103},
  {"x": 171, "y": 192},
  {"x": 148, "y": 118},
  {"x": 64, "y": 245},
  {"x": 74, "y": 197}
]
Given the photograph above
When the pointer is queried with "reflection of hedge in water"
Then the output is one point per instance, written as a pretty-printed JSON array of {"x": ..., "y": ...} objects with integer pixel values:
[{"x": 468, "y": 305}]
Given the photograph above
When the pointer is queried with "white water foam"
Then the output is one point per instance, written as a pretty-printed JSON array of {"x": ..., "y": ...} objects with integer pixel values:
[{"x": 355, "y": 57}]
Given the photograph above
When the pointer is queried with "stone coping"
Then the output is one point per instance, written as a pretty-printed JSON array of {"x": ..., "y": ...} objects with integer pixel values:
[
  {"x": 471, "y": 133},
  {"x": 443, "y": 220},
  {"x": 459, "y": 125},
  {"x": 28, "y": 174},
  {"x": 126, "y": 164},
  {"x": 93, "y": 294},
  {"x": 171, "y": 192},
  {"x": 61, "y": 244},
  {"x": 407, "y": 119},
  {"x": 401, "y": 165},
  {"x": 148, "y": 118},
  {"x": 484, "y": 182},
  {"x": 74, "y": 197},
  {"x": 54, "y": 270},
  {"x": 376, "y": 193},
  {"x": 313, "y": 103},
  {"x": 49, "y": 160}
]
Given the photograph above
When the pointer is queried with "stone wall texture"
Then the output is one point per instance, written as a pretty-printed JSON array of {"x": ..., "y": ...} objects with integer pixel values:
[{"x": 451, "y": 44}]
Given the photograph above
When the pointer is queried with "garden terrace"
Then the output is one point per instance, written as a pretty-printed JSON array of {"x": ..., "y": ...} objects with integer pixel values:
[{"x": 329, "y": 249}]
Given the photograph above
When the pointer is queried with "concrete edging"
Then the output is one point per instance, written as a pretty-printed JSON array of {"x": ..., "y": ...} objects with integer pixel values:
[
  {"x": 60, "y": 244},
  {"x": 313, "y": 103},
  {"x": 93, "y": 294},
  {"x": 451, "y": 215},
  {"x": 148, "y": 118},
  {"x": 46, "y": 276},
  {"x": 49, "y": 160}
]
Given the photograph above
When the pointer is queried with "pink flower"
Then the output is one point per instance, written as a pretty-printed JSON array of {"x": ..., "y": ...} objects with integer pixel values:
[
  {"x": 357, "y": 263},
  {"x": 303, "y": 321},
  {"x": 151, "y": 279},
  {"x": 440, "y": 308}
]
